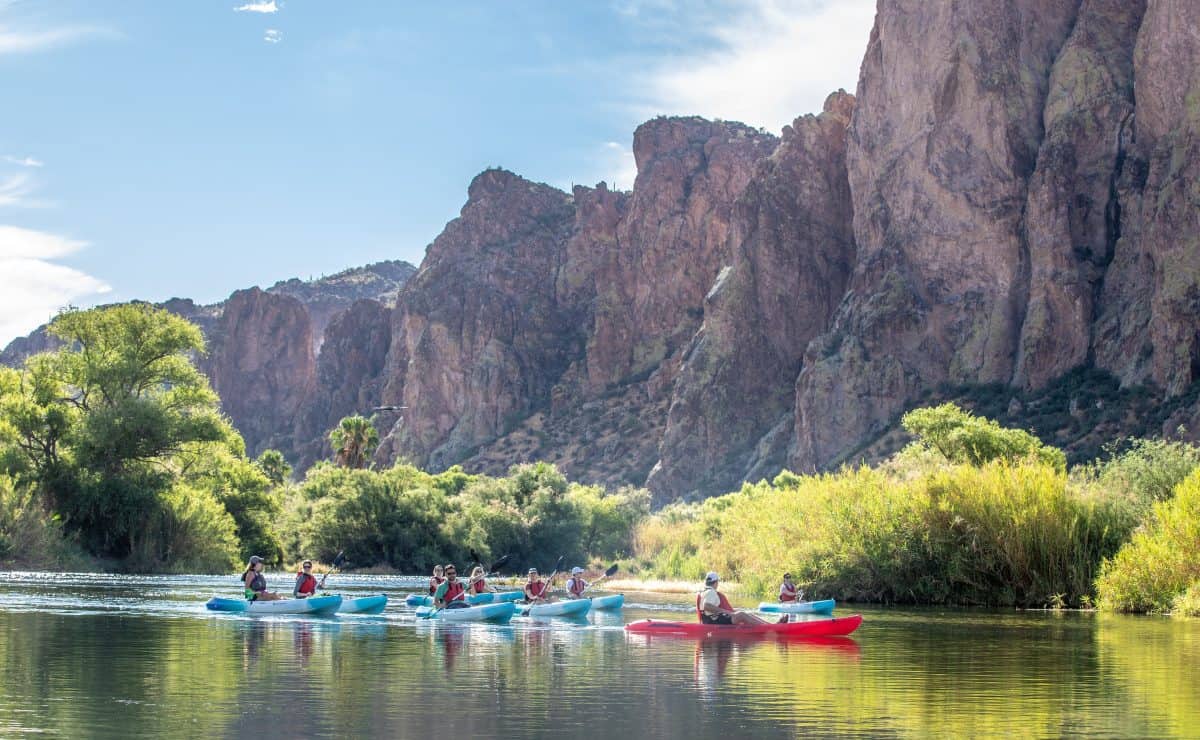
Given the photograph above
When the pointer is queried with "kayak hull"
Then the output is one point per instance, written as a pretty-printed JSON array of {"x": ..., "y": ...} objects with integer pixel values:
[
  {"x": 571, "y": 608},
  {"x": 487, "y": 597},
  {"x": 798, "y": 607},
  {"x": 495, "y": 613},
  {"x": 603, "y": 603},
  {"x": 364, "y": 605},
  {"x": 316, "y": 605},
  {"x": 833, "y": 627}
]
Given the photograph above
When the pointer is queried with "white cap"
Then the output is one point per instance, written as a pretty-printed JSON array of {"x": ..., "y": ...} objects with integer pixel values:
[
  {"x": 576, "y": 570},
  {"x": 712, "y": 577}
]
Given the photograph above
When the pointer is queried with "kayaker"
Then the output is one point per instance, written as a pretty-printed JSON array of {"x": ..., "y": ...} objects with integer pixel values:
[
  {"x": 535, "y": 587},
  {"x": 788, "y": 592},
  {"x": 713, "y": 608},
  {"x": 575, "y": 584},
  {"x": 450, "y": 594},
  {"x": 256, "y": 583},
  {"x": 436, "y": 579},
  {"x": 306, "y": 582},
  {"x": 477, "y": 584}
]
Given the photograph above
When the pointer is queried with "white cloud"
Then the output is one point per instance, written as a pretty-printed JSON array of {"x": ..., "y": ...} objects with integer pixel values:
[
  {"x": 32, "y": 286},
  {"x": 771, "y": 61},
  {"x": 262, "y": 7},
  {"x": 15, "y": 189},
  {"x": 18, "y": 41},
  {"x": 273, "y": 36},
  {"x": 617, "y": 161},
  {"x": 23, "y": 161}
]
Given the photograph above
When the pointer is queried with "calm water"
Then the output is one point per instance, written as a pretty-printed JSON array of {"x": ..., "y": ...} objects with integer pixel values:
[{"x": 111, "y": 656}]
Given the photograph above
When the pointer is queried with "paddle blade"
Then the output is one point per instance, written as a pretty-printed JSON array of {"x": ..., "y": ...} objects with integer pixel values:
[
  {"x": 612, "y": 569},
  {"x": 559, "y": 563},
  {"x": 475, "y": 557},
  {"x": 339, "y": 558},
  {"x": 496, "y": 566}
]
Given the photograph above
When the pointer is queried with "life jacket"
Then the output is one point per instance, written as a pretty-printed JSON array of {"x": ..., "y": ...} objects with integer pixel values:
[
  {"x": 700, "y": 599},
  {"x": 258, "y": 584},
  {"x": 576, "y": 587},
  {"x": 454, "y": 591},
  {"x": 308, "y": 583},
  {"x": 787, "y": 593},
  {"x": 479, "y": 586},
  {"x": 434, "y": 582},
  {"x": 535, "y": 589}
]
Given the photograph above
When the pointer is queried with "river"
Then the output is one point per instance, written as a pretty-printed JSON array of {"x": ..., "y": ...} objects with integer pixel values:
[{"x": 93, "y": 655}]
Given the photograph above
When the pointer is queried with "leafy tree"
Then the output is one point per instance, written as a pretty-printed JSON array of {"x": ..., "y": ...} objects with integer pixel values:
[
  {"x": 274, "y": 466},
  {"x": 354, "y": 440},
  {"x": 962, "y": 437}
]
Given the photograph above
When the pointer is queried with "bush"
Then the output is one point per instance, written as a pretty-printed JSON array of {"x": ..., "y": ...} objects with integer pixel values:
[
  {"x": 962, "y": 437},
  {"x": 31, "y": 538},
  {"x": 1146, "y": 470},
  {"x": 1162, "y": 562}
]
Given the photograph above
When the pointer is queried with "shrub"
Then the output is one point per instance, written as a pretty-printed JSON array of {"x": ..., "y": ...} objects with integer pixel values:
[{"x": 962, "y": 437}]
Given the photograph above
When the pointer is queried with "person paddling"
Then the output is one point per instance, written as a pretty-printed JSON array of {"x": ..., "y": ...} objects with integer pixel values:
[
  {"x": 306, "y": 582},
  {"x": 255, "y": 582},
  {"x": 788, "y": 592},
  {"x": 535, "y": 587},
  {"x": 451, "y": 594},
  {"x": 575, "y": 584},
  {"x": 713, "y": 608},
  {"x": 477, "y": 584},
  {"x": 436, "y": 579}
]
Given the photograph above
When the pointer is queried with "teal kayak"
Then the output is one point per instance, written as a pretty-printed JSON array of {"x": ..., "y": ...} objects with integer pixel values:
[
  {"x": 364, "y": 605},
  {"x": 798, "y": 607},
  {"x": 615, "y": 601},
  {"x": 315, "y": 605},
  {"x": 487, "y": 597},
  {"x": 571, "y": 608},
  {"x": 498, "y": 613}
]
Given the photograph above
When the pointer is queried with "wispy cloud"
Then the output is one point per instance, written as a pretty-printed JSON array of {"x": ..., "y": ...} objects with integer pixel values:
[
  {"x": 19, "y": 41},
  {"x": 765, "y": 61},
  {"x": 273, "y": 36},
  {"x": 262, "y": 7},
  {"x": 23, "y": 161},
  {"x": 33, "y": 286},
  {"x": 16, "y": 189}
]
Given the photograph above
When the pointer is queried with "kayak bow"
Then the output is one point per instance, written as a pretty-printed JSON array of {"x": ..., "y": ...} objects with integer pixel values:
[
  {"x": 798, "y": 607},
  {"x": 313, "y": 605}
]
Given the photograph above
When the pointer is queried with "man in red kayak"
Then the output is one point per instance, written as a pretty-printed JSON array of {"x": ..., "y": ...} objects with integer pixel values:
[
  {"x": 575, "y": 584},
  {"x": 535, "y": 587},
  {"x": 306, "y": 582},
  {"x": 450, "y": 594},
  {"x": 788, "y": 592},
  {"x": 713, "y": 608}
]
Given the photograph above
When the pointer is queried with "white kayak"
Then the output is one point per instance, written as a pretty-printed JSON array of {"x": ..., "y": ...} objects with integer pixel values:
[
  {"x": 569, "y": 608},
  {"x": 315, "y": 605},
  {"x": 487, "y": 597},
  {"x": 824, "y": 606},
  {"x": 364, "y": 605},
  {"x": 499, "y": 613},
  {"x": 614, "y": 601}
]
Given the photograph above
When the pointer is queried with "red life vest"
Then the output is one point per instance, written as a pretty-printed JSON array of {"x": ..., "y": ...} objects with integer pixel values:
[
  {"x": 576, "y": 586},
  {"x": 434, "y": 582},
  {"x": 787, "y": 593},
  {"x": 454, "y": 590},
  {"x": 308, "y": 584},
  {"x": 724, "y": 603},
  {"x": 535, "y": 589},
  {"x": 479, "y": 586}
]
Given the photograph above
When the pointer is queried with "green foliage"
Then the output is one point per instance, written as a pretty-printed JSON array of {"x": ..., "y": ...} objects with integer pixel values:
[
  {"x": 354, "y": 440},
  {"x": 274, "y": 466},
  {"x": 1147, "y": 470},
  {"x": 1161, "y": 564},
  {"x": 31, "y": 538},
  {"x": 962, "y": 437}
]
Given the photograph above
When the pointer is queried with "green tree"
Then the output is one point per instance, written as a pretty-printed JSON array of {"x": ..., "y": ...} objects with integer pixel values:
[
  {"x": 274, "y": 466},
  {"x": 354, "y": 440},
  {"x": 962, "y": 437}
]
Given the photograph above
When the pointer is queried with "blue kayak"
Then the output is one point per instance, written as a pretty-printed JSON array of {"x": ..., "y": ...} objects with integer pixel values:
[
  {"x": 798, "y": 607},
  {"x": 498, "y": 613},
  {"x": 615, "y": 601},
  {"x": 487, "y": 597},
  {"x": 570, "y": 608},
  {"x": 315, "y": 605},
  {"x": 364, "y": 605}
]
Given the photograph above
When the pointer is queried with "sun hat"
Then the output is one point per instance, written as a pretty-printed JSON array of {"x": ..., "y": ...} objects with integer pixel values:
[{"x": 712, "y": 577}]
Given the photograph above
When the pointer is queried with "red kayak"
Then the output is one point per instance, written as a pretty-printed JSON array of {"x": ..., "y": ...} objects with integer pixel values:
[{"x": 814, "y": 628}]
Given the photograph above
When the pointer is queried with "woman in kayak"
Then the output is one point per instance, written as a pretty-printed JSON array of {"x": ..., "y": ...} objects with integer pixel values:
[
  {"x": 788, "y": 592},
  {"x": 713, "y": 608},
  {"x": 535, "y": 587},
  {"x": 256, "y": 583},
  {"x": 306, "y": 582},
  {"x": 436, "y": 579},
  {"x": 575, "y": 584},
  {"x": 450, "y": 594},
  {"x": 477, "y": 584}
]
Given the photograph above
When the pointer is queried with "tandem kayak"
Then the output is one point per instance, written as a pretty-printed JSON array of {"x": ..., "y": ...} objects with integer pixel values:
[
  {"x": 570, "y": 608},
  {"x": 313, "y": 605},
  {"x": 615, "y": 601},
  {"x": 364, "y": 605},
  {"x": 836, "y": 626},
  {"x": 487, "y": 597},
  {"x": 798, "y": 607},
  {"x": 499, "y": 613}
]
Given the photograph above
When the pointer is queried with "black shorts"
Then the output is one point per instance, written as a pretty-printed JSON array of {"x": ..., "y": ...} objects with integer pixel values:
[{"x": 719, "y": 619}]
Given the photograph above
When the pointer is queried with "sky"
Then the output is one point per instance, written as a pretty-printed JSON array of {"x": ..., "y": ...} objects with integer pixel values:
[{"x": 158, "y": 148}]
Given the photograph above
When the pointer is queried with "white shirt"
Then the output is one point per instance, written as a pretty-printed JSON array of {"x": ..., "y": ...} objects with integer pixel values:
[{"x": 709, "y": 597}]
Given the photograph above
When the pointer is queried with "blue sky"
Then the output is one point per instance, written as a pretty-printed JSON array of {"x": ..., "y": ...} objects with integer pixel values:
[{"x": 151, "y": 149}]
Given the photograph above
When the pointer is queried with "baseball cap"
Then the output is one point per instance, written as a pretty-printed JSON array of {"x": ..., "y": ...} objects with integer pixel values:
[
  {"x": 712, "y": 577},
  {"x": 576, "y": 570}
]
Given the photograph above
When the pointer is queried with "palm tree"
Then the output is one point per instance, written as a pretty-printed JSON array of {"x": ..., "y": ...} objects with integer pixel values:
[{"x": 354, "y": 440}]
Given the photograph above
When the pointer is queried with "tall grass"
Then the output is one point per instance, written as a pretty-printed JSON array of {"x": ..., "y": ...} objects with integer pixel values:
[
  {"x": 32, "y": 539},
  {"x": 1004, "y": 533}
]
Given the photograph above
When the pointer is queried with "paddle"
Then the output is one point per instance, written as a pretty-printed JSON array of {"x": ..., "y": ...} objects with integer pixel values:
[
  {"x": 557, "y": 566},
  {"x": 337, "y": 560},
  {"x": 612, "y": 569}
]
